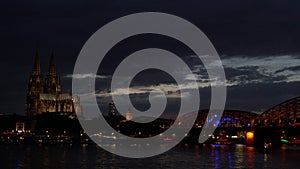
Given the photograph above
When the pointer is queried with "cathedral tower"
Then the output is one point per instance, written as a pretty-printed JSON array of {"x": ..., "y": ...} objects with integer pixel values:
[
  {"x": 52, "y": 81},
  {"x": 35, "y": 87}
]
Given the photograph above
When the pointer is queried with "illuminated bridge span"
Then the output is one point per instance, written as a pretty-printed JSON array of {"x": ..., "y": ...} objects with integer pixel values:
[
  {"x": 281, "y": 122},
  {"x": 284, "y": 114},
  {"x": 230, "y": 118}
]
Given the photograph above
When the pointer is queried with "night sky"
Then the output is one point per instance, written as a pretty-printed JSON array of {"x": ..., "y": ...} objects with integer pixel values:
[{"x": 258, "y": 41}]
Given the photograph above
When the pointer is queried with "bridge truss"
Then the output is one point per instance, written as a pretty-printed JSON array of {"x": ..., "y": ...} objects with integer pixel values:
[{"x": 284, "y": 114}]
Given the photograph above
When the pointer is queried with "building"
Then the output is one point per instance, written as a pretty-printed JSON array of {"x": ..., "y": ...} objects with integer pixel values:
[
  {"x": 129, "y": 115},
  {"x": 20, "y": 127},
  {"x": 45, "y": 95},
  {"x": 112, "y": 110}
]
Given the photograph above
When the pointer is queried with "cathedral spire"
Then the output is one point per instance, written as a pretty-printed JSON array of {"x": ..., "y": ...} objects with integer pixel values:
[
  {"x": 52, "y": 81},
  {"x": 35, "y": 87},
  {"x": 37, "y": 66},
  {"x": 52, "y": 69}
]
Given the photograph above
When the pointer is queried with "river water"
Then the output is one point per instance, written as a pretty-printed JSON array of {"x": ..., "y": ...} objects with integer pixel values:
[{"x": 182, "y": 156}]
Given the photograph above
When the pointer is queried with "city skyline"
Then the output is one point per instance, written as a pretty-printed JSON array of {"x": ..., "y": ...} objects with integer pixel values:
[{"x": 150, "y": 84}]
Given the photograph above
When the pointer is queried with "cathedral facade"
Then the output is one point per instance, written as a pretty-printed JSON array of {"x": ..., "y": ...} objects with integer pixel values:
[{"x": 45, "y": 95}]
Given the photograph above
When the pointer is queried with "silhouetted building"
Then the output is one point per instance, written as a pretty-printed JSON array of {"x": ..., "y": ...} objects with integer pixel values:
[
  {"x": 129, "y": 115},
  {"x": 46, "y": 96},
  {"x": 112, "y": 110}
]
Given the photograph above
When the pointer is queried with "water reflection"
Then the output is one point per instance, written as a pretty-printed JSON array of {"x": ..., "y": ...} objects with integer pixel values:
[
  {"x": 182, "y": 156},
  {"x": 250, "y": 157}
]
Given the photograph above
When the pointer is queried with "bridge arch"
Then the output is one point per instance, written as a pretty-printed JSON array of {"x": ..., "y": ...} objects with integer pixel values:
[{"x": 286, "y": 113}]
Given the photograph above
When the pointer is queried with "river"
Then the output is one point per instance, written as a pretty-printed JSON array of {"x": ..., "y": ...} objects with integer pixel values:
[{"x": 182, "y": 156}]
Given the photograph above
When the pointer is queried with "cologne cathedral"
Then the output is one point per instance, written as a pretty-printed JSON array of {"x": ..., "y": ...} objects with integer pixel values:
[{"x": 45, "y": 95}]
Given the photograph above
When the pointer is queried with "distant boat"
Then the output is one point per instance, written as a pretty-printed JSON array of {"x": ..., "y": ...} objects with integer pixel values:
[
  {"x": 224, "y": 141},
  {"x": 294, "y": 142},
  {"x": 266, "y": 148}
]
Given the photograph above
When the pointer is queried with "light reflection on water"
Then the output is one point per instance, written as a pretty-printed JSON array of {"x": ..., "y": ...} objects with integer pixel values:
[{"x": 182, "y": 156}]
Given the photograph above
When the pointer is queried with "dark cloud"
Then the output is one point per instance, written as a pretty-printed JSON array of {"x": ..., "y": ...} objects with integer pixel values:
[
  {"x": 294, "y": 69},
  {"x": 245, "y": 75}
]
